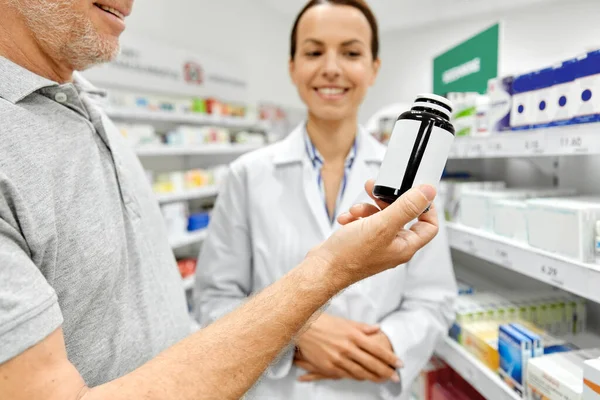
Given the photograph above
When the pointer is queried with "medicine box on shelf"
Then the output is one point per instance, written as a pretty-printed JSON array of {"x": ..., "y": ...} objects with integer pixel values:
[
  {"x": 558, "y": 376},
  {"x": 565, "y": 226}
]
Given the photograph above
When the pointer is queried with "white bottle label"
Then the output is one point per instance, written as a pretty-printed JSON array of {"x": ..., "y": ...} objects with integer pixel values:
[{"x": 416, "y": 154}]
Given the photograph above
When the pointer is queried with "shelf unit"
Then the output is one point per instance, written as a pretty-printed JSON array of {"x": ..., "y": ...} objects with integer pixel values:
[
  {"x": 179, "y": 118},
  {"x": 187, "y": 238},
  {"x": 486, "y": 381},
  {"x": 211, "y": 149},
  {"x": 553, "y": 141},
  {"x": 567, "y": 274},
  {"x": 199, "y": 193}
]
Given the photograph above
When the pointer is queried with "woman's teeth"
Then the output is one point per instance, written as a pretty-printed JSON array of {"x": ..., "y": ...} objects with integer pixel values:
[{"x": 331, "y": 91}]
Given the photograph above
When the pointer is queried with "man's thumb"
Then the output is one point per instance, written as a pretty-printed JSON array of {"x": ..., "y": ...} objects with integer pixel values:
[{"x": 408, "y": 207}]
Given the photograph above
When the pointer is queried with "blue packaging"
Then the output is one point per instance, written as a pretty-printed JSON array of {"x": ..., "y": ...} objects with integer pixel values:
[
  {"x": 542, "y": 82},
  {"x": 537, "y": 343},
  {"x": 514, "y": 350},
  {"x": 500, "y": 92},
  {"x": 562, "y": 92},
  {"x": 198, "y": 221},
  {"x": 522, "y": 111},
  {"x": 586, "y": 89}
]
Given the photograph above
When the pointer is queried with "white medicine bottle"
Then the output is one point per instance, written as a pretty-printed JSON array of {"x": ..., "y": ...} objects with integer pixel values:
[{"x": 418, "y": 148}]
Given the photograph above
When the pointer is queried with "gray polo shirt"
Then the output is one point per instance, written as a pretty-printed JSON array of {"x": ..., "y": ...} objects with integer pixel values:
[{"x": 82, "y": 240}]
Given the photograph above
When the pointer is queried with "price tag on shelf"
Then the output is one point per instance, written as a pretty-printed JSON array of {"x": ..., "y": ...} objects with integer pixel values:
[
  {"x": 572, "y": 276},
  {"x": 496, "y": 146},
  {"x": 573, "y": 141},
  {"x": 552, "y": 273},
  {"x": 593, "y": 292},
  {"x": 503, "y": 255},
  {"x": 476, "y": 149},
  {"x": 534, "y": 144},
  {"x": 469, "y": 245}
]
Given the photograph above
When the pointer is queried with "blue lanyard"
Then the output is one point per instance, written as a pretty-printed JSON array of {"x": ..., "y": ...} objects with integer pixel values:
[{"x": 317, "y": 163}]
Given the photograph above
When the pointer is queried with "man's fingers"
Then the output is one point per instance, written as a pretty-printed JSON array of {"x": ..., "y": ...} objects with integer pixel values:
[
  {"x": 369, "y": 189},
  {"x": 408, "y": 207},
  {"x": 422, "y": 231},
  {"x": 363, "y": 210},
  {"x": 356, "y": 212},
  {"x": 346, "y": 218}
]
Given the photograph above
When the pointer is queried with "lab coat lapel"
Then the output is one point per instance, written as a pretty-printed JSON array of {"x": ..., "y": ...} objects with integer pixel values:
[
  {"x": 294, "y": 151},
  {"x": 368, "y": 154},
  {"x": 315, "y": 200}
]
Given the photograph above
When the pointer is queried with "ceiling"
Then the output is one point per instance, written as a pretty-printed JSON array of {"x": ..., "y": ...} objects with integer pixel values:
[{"x": 402, "y": 14}]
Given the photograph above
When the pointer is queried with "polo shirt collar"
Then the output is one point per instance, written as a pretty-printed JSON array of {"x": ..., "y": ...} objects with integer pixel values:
[{"x": 18, "y": 82}]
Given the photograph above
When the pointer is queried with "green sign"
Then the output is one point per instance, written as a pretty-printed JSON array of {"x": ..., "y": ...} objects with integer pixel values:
[{"x": 468, "y": 66}]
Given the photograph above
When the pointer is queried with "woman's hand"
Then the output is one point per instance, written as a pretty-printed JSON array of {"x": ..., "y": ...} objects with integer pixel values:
[{"x": 336, "y": 348}]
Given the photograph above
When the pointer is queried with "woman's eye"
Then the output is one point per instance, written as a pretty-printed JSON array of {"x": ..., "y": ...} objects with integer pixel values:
[
  {"x": 353, "y": 54},
  {"x": 313, "y": 53}
]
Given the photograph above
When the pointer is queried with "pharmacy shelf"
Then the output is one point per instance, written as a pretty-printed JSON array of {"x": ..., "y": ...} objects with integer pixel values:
[
  {"x": 188, "y": 283},
  {"x": 199, "y": 193},
  {"x": 209, "y": 149},
  {"x": 573, "y": 276},
  {"x": 176, "y": 118},
  {"x": 473, "y": 371},
  {"x": 553, "y": 141},
  {"x": 187, "y": 239}
]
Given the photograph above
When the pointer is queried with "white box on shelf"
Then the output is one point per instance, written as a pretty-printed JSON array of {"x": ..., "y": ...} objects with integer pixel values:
[
  {"x": 451, "y": 193},
  {"x": 522, "y": 109},
  {"x": 591, "y": 380},
  {"x": 542, "y": 81},
  {"x": 509, "y": 219},
  {"x": 476, "y": 205},
  {"x": 558, "y": 376},
  {"x": 585, "y": 106},
  {"x": 500, "y": 92},
  {"x": 564, "y": 226},
  {"x": 562, "y": 92}
]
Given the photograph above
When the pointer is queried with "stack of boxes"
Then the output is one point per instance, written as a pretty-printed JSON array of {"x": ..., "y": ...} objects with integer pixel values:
[
  {"x": 559, "y": 95},
  {"x": 551, "y": 219},
  {"x": 518, "y": 335},
  {"x": 563, "y": 94}
]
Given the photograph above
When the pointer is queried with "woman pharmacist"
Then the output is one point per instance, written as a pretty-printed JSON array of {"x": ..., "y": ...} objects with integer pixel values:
[{"x": 281, "y": 201}]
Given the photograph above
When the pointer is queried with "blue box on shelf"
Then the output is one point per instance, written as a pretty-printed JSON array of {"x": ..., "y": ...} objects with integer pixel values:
[
  {"x": 198, "y": 221},
  {"x": 515, "y": 350}
]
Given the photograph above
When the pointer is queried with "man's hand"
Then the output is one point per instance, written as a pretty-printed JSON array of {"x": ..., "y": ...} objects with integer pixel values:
[
  {"x": 340, "y": 348},
  {"x": 375, "y": 240}
]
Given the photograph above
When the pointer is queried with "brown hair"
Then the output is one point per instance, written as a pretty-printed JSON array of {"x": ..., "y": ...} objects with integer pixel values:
[{"x": 361, "y": 5}]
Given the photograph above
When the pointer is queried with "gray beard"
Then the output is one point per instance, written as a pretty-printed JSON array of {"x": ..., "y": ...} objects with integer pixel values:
[{"x": 66, "y": 35}]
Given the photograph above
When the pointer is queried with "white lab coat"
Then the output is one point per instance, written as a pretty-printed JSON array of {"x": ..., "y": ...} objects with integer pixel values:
[{"x": 268, "y": 215}]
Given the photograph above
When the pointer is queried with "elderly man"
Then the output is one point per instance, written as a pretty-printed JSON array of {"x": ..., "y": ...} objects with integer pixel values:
[{"x": 91, "y": 304}]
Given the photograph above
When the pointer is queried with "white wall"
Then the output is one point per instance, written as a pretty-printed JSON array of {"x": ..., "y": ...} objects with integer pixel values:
[
  {"x": 238, "y": 31},
  {"x": 533, "y": 37}
]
